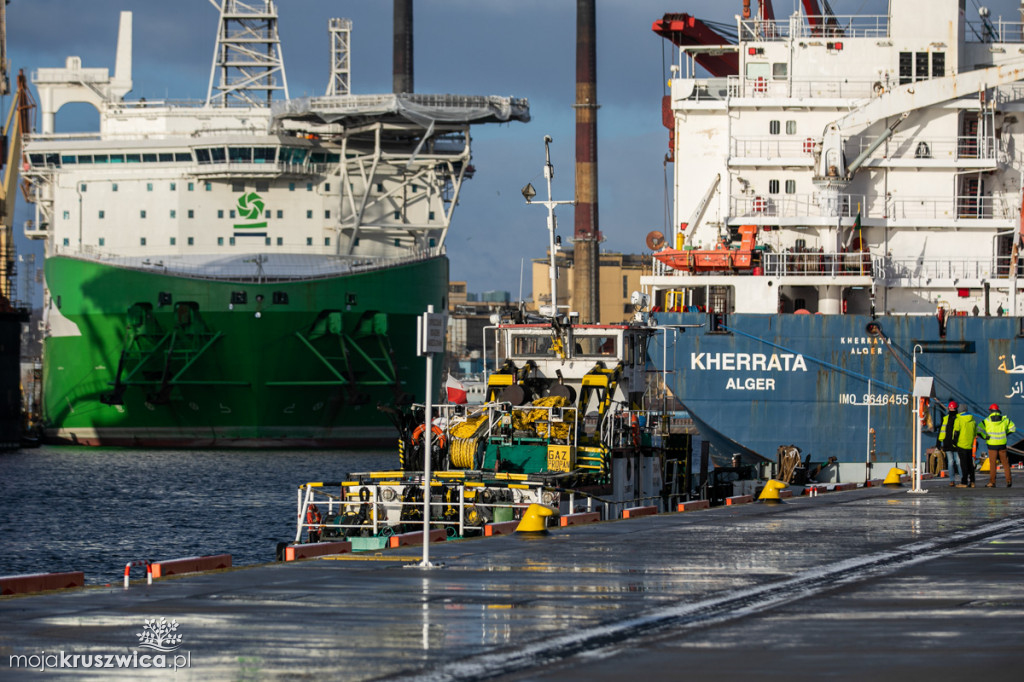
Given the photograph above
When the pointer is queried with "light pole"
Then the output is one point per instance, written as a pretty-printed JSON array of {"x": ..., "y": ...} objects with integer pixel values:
[{"x": 529, "y": 193}]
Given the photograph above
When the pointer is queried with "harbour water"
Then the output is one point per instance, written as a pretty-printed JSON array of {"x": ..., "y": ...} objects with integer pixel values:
[{"x": 95, "y": 509}]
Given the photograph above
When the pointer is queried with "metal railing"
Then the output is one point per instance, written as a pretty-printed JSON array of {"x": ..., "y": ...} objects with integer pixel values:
[
  {"x": 773, "y": 147},
  {"x": 955, "y": 208},
  {"x": 998, "y": 31},
  {"x": 818, "y": 264},
  {"x": 740, "y": 86},
  {"x": 794, "y": 206},
  {"x": 961, "y": 147},
  {"x": 836, "y": 26}
]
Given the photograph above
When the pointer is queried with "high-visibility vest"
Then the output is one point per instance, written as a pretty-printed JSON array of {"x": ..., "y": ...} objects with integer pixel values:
[
  {"x": 996, "y": 430},
  {"x": 942, "y": 429},
  {"x": 965, "y": 427}
]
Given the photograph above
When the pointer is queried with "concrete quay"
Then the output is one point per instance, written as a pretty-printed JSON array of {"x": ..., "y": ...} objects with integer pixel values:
[{"x": 871, "y": 583}]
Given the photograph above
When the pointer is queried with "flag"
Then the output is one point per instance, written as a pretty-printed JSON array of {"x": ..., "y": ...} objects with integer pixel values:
[
  {"x": 456, "y": 391},
  {"x": 856, "y": 223}
]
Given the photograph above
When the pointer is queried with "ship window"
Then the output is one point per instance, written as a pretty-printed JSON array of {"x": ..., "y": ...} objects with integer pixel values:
[
  {"x": 317, "y": 157},
  {"x": 191, "y": 241},
  {"x": 100, "y": 158},
  {"x": 430, "y": 216},
  {"x": 415, "y": 188},
  {"x": 398, "y": 242},
  {"x": 174, "y": 213},
  {"x": 220, "y": 212},
  {"x": 280, "y": 241},
  {"x": 262, "y": 186},
  {"x": 67, "y": 214},
  {"x": 920, "y": 66},
  {"x": 291, "y": 186},
  {"x": 85, "y": 158},
  {"x": 67, "y": 242},
  {"x": 398, "y": 215},
  {"x": 625, "y": 286},
  {"x": 231, "y": 241},
  {"x": 380, "y": 186},
  {"x": 596, "y": 345},
  {"x": 191, "y": 213},
  {"x": 790, "y": 186},
  {"x": 239, "y": 297},
  {"x": 801, "y": 243},
  {"x": 309, "y": 241},
  {"x": 280, "y": 214},
  {"x": 263, "y": 154},
  {"x": 791, "y": 127},
  {"x": 149, "y": 186},
  {"x": 173, "y": 241},
  {"x": 327, "y": 214},
  {"x": 309, "y": 214},
  {"x": 333, "y": 157},
  {"x": 309, "y": 186},
  {"x": 231, "y": 214},
  {"x": 142, "y": 241},
  {"x": 208, "y": 186},
  {"x": 117, "y": 158},
  {"x": 36, "y": 159},
  {"x": 217, "y": 154},
  {"x": 149, "y": 158},
  {"x": 780, "y": 70},
  {"x": 938, "y": 64},
  {"x": 142, "y": 213},
  {"x": 68, "y": 159},
  {"x": 237, "y": 186},
  {"x": 356, "y": 243},
  {"x": 166, "y": 157},
  {"x": 113, "y": 187},
  {"x": 280, "y": 297},
  {"x": 203, "y": 155},
  {"x": 773, "y": 187},
  {"x": 291, "y": 155},
  {"x": 191, "y": 186},
  {"x": 267, "y": 241},
  {"x": 102, "y": 241},
  {"x": 327, "y": 241},
  {"x": 758, "y": 70},
  {"x": 266, "y": 214},
  {"x": 906, "y": 68},
  {"x": 433, "y": 242},
  {"x": 240, "y": 154},
  {"x": 774, "y": 127},
  {"x": 102, "y": 215},
  {"x": 327, "y": 187},
  {"x": 531, "y": 345},
  {"x": 220, "y": 241},
  {"x": 174, "y": 186},
  {"x": 132, "y": 158},
  {"x": 184, "y": 157}
]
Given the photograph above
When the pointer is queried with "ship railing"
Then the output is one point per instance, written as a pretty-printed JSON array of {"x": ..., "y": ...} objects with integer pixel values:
[
  {"x": 832, "y": 26},
  {"x": 998, "y": 31},
  {"x": 923, "y": 271},
  {"x": 961, "y": 207},
  {"x": 961, "y": 147},
  {"x": 742, "y": 86},
  {"x": 794, "y": 205},
  {"x": 818, "y": 264},
  {"x": 769, "y": 148},
  {"x": 348, "y": 508},
  {"x": 274, "y": 266}
]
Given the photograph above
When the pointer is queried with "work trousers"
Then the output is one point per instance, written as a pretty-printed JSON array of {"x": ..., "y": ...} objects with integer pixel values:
[
  {"x": 966, "y": 465},
  {"x": 995, "y": 451},
  {"x": 953, "y": 462}
]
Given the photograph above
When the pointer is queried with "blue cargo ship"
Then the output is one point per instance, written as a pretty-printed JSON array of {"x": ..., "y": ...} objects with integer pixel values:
[{"x": 847, "y": 199}]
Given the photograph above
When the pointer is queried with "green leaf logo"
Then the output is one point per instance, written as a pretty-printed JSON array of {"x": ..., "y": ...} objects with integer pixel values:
[{"x": 250, "y": 206}]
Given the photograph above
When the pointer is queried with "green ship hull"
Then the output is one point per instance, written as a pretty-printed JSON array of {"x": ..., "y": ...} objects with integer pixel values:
[{"x": 146, "y": 358}]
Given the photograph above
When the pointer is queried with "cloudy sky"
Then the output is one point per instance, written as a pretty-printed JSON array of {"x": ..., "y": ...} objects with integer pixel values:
[{"x": 523, "y": 48}]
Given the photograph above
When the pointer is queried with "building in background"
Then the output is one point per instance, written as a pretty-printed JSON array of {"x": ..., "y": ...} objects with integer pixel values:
[{"x": 619, "y": 277}]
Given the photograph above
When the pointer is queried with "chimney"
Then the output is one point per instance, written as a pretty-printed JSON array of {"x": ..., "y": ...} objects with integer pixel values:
[
  {"x": 587, "y": 237},
  {"x": 402, "y": 58}
]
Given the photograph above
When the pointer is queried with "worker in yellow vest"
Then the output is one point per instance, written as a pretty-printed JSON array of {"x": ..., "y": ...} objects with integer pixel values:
[
  {"x": 995, "y": 429},
  {"x": 964, "y": 433},
  {"x": 946, "y": 441}
]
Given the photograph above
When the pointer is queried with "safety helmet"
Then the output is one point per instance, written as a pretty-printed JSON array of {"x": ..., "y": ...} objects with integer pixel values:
[
  {"x": 953, "y": 405},
  {"x": 993, "y": 408}
]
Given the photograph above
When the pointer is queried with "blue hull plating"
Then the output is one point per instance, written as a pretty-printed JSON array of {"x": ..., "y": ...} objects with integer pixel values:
[{"x": 770, "y": 380}]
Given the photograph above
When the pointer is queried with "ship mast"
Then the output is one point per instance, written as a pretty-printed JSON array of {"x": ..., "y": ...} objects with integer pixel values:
[{"x": 247, "y": 55}]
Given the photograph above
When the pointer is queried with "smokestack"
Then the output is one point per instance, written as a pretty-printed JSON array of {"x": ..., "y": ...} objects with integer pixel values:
[
  {"x": 402, "y": 58},
  {"x": 587, "y": 237}
]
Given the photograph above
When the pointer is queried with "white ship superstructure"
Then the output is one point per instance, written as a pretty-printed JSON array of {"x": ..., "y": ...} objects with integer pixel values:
[{"x": 878, "y": 160}]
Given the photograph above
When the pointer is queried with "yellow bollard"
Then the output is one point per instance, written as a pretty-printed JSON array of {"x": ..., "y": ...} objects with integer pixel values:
[
  {"x": 533, "y": 519},
  {"x": 770, "y": 493},
  {"x": 892, "y": 479}
]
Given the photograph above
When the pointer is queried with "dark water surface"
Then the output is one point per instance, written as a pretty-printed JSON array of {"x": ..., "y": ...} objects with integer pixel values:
[{"x": 95, "y": 509}]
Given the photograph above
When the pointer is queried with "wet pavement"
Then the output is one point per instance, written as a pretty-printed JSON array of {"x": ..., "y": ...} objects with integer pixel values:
[{"x": 872, "y": 583}]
